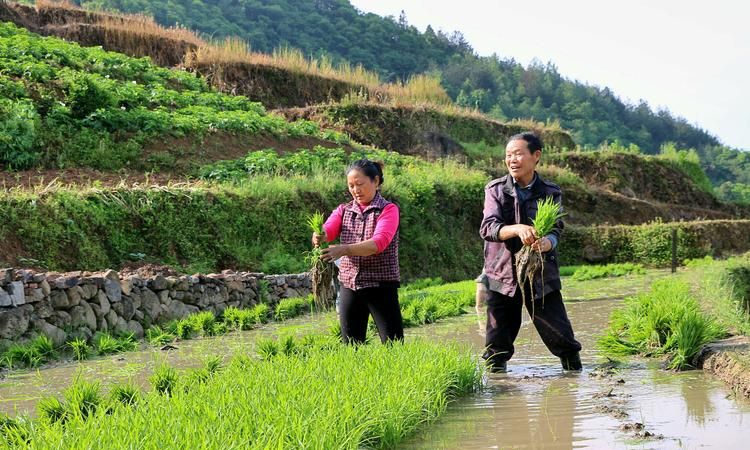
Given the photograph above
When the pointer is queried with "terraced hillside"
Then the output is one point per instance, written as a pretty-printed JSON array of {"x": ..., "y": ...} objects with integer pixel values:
[{"x": 112, "y": 160}]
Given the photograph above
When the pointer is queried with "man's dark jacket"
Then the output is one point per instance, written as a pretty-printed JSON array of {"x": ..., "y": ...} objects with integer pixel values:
[{"x": 501, "y": 207}]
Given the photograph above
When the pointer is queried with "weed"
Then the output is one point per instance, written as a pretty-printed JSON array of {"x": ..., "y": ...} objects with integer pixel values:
[
  {"x": 81, "y": 349},
  {"x": 164, "y": 379}
]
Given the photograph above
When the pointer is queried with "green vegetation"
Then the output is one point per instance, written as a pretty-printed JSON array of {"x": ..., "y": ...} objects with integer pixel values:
[
  {"x": 316, "y": 396},
  {"x": 37, "y": 351},
  {"x": 204, "y": 228},
  {"x": 665, "y": 321},
  {"x": 425, "y": 302},
  {"x": 496, "y": 85},
  {"x": 724, "y": 289},
  {"x": 651, "y": 244},
  {"x": 63, "y": 105},
  {"x": 582, "y": 273}
]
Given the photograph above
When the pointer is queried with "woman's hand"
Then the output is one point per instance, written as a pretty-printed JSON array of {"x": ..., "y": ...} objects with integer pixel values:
[
  {"x": 317, "y": 239},
  {"x": 544, "y": 245},
  {"x": 334, "y": 252}
]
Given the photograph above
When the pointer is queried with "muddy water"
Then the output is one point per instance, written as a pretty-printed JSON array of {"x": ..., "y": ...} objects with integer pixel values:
[
  {"x": 537, "y": 406},
  {"x": 20, "y": 391}
]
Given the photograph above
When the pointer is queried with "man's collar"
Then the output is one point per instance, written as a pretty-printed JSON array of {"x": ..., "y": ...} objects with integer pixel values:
[{"x": 533, "y": 180}]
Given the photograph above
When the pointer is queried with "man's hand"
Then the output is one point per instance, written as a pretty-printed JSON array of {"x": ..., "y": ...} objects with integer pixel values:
[
  {"x": 542, "y": 244},
  {"x": 526, "y": 233}
]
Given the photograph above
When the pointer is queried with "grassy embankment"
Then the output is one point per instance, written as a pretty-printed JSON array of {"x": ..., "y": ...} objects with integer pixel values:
[
  {"x": 89, "y": 108},
  {"x": 307, "y": 394},
  {"x": 423, "y": 302},
  {"x": 680, "y": 315}
]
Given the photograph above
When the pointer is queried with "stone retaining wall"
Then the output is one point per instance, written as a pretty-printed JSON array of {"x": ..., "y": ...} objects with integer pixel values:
[{"x": 78, "y": 304}]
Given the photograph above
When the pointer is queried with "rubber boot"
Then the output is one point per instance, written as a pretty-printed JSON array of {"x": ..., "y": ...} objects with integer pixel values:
[{"x": 571, "y": 362}]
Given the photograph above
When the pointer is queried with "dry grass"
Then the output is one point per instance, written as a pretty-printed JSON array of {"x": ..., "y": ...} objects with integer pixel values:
[
  {"x": 138, "y": 25},
  {"x": 531, "y": 124}
]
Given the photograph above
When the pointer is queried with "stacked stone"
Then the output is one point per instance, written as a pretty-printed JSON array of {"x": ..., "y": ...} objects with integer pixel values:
[
  {"x": 78, "y": 304},
  {"x": 287, "y": 285}
]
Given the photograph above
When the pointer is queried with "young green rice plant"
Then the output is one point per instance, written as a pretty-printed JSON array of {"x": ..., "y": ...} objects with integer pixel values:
[
  {"x": 52, "y": 410},
  {"x": 105, "y": 344},
  {"x": 83, "y": 398},
  {"x": 665, "y": 321},
  {"x": 23, "y": 355},
  {"x": 126, "y": 394},
  {"x": 81, "y": 349},
  {"x": 259, "y": 313},
  {"x": 288, "y": 346},
  {"x": 609, "y": 270},
  {"x": 204, "y": 322},
  {"x": 164, "y": 379},
  {"x": 267, "y": 348},
  {"x": 291, "y": 307},
  {"x": 292, "y": 402},
  {"x": 321, "y": 272},
  {"x": 530, "y": 263},
  {"x": 158, "y": 336},
  {"x": 185, "y": 328},
  {"x": 126, "y": 342},
  {"x": 14, "y": 432}
]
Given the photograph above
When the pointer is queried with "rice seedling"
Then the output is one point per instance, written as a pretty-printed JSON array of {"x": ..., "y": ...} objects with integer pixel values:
[
  {"x": 83, "y": 398},
  {"x": 530, "y": 263},
  {"x": 158, "y": 336},
  {"x": 321, "y": 272},
  {"x": 267, "y": 348},
  {"x": 52, "y": 410},
  {"x": 291, "y": 307},
  {"x": 609, "y": 270},
  {"x": 14, "y": 432},
  {"x": 31, "y": 354},
  {"x": 185, "y": 328},
  {"x": 105, "y": 344},
  {"x": 665, "y": 321},
  {"x": 164, "y": 379},
  {"x": 81, "y": 349},
  {"x": 288, "y": 346},
  {"x": 342, "y": 397},
  {"x": 126, "y": 394}
]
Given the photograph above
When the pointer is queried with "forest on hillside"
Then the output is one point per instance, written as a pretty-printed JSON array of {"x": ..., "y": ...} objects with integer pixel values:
[{"x": 498, "y": 86}]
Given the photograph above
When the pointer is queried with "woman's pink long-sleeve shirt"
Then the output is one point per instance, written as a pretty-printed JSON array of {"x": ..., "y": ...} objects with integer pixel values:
[{"x": 385, "y": 228}]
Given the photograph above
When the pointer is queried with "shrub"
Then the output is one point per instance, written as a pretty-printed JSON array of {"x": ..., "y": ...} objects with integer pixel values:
[{"x": 19, "y": 126}]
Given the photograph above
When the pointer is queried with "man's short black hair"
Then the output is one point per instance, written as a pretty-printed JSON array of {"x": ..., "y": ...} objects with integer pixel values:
[{"x": 531, "y": 139}]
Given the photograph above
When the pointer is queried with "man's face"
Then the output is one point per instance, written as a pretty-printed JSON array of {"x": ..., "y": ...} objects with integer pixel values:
[{"x": 520, "y": 160}]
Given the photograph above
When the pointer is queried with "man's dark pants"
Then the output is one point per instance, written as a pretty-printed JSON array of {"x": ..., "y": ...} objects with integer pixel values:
[{"x": 549, "y": 318}]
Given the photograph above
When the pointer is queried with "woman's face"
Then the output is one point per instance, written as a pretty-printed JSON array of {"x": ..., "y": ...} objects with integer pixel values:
[{"x": 362, "y": 188}]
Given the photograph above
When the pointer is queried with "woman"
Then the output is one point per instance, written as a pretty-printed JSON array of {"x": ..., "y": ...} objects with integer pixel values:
[{"x": 368, "y": 270}]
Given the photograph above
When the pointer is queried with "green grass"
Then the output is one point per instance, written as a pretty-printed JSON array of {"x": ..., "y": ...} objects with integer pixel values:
[
  {"x": 724, "y": 289},
  {"x": 667, "y": 320},
  {"x": 325, "y": 397},
  {"x": 583, "y": 273},
  {"x": 31, "y": 354}
]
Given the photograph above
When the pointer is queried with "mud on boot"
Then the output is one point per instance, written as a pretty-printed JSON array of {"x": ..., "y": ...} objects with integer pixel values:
[{"x": 571, "y": 361}]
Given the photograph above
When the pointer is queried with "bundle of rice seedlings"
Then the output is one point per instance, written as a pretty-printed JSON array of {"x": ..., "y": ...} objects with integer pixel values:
[
  {"x": 321, "y": 272},
  {"x": 530, "y": 263}
]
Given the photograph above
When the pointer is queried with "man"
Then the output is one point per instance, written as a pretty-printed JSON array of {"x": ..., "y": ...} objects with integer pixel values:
[{"x": 510, "y": 204}]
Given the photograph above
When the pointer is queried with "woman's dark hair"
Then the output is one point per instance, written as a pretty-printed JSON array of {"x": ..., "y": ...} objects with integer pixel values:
[
  {"x": 531, "y": 139},
  {"x": 371, "y": 169}
]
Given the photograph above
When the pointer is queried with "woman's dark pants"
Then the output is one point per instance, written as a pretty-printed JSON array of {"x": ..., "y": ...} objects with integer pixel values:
[{"x": 355, "y": 308}]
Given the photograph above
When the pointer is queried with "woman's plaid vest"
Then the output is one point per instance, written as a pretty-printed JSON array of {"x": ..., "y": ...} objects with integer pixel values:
[{"x": 358, "y": 272}]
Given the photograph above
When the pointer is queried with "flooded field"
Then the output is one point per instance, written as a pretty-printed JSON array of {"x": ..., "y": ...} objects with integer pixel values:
[
  {"x": 635, "y": 404},
  {"x": 632, "y": 404}
]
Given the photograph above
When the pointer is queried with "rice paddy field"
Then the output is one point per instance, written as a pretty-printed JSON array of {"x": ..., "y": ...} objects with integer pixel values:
[{"x": 291, "y": 384}]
